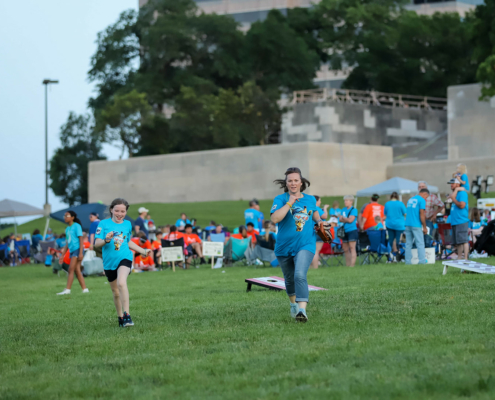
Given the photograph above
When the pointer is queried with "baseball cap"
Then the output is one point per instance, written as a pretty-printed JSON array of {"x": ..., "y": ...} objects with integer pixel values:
[
  {"x": 142, "y": 210},
  {"x": 454, "y": 180},
  {"x": 375, "y": 197}
]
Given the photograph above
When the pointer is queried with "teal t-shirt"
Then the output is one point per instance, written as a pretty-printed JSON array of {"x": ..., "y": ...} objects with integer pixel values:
[
  {"x": 395, "y": 212},
  {"x": 465, "y": 178},
  {"x": 414, "y": 205},
  {"x": 72, "y": 234},
  {"x": 460, "y": 215},
  {"x": 349, "y": 212},
  {"x": 336, "y": 211},
  {"x": 118, "y": 248},
  {"x": 296, "y": 231}
]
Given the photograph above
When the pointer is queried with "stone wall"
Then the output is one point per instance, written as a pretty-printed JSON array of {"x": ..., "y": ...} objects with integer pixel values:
[
  {"x": 414, "y": 134},
  {"x": 239, "y": 173}
]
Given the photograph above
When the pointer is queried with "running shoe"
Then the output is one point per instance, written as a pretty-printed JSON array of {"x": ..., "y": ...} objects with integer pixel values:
[
  {"x": 86, "y": 290},
  {"x": 65, "y": 291},
  {"x": 294, "y": 309},
  {"x": 121, "y": 322},
  {"x": 128, "y": 320},
  {"x": 301, "y": 316}
]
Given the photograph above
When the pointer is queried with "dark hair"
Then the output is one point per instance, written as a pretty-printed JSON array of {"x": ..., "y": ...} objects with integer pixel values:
[
  {"x": 141, "y": 235},
  {"x": 283, "y": 182},
  {"x": 94, "y": 214},
  {"x": 36, "y": 232},
  {"x": 316, "y": 197},
  {"x": 250, "y": 224},
  {"x": 158, "y": 233},
  {"x": 394, "y": 195},
  {"x": 73, "y": 214},
  {"x": 375, "y": 197},
  {"x": 188, "y": 226},
  {"x": 475, "y": 215},
  {"x": 62, "y": 235},
  {"x": 424, "y": 191},
  {"x": 213, "y": 223},
  {"x": 117, "y": 202},
  {"x": 173, "y": 228},
  {"x": 242, "y": 228}
]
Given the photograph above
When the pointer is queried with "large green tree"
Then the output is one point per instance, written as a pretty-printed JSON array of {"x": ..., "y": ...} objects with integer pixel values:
[{"x": 69, "y": 165}]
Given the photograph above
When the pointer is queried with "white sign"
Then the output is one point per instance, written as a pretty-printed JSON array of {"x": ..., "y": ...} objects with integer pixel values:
[
  {"x": 170, "y": 254},
  {"x": 429, "y": 252},
  {"x": 213, "y": 249}
]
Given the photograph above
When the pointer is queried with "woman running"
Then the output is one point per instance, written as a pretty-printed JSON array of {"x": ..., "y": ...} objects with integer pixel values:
[
  {"x": 114, "y": 235},
  {"x": 74, "y": 246},
  {"x": 296, "y": 238}
]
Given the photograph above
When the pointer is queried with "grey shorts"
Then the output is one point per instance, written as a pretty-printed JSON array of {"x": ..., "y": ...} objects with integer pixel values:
[{"x": 460, "y": 233}]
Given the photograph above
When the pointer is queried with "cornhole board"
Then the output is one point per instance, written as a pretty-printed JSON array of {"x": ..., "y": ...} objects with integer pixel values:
[
  {"x": 273, "y": 283},
  {"x": 473, "y": 266}
]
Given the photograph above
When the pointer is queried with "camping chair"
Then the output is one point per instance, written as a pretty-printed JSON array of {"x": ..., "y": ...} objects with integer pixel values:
[
  {"x": 235, "y": 249},
  {"x": 362, "y": 245},
  {"x": 23, "y": 247},
  {"x": 41, "y": 256},
  {"x": 175, "y": 243},
  {"x": 446, "y": 241},
  {"x": 327, "y": 254},
  {"x": 378, "y": 246}
]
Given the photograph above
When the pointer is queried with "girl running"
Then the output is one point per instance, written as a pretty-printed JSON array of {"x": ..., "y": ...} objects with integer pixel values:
[
  {"x": 74, "y": 246},
  {"x": 113, "y": 235}
]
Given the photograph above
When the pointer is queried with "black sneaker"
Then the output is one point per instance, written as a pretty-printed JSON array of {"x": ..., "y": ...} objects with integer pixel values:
[
  {"x": 121, "y": 322},
  {"x": 301, "y": 317},
  {"x": 128, "y": 320}
]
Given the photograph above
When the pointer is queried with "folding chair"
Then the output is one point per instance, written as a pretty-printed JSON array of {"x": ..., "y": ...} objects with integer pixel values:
[
  {"x": 327, "y": 254},
  {"x": 446, "y": 241},
  {"x": 362, "y": 246},
  {"x": 235, "y": 249},
  {"x": 41, "y": 256},
  {"x": 378, "y": 246},
  {"x": 217, "y": 237},
  {"x": 174, "y": 243},
  {"x": 23, "y": 247}
]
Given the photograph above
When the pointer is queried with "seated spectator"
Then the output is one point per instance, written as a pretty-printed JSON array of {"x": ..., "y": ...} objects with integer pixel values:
[
  {"x": 36, "y": 238},
  {"x": 251, "y": 232},
  {"x": 141, "y": 240},
  {"x": 335, "y": 210},
  {"x": 211, "y": 227},
  {"x": 371, "y": 211},
  {"x": 156, "y": 246},
  {"x": 269, "y": 231},
  {"x": 475, "y": 227},
  {"x": 379, "y": 225},
  {"x": 219, "y": 231},
  {"x": 150, "y": 224},
  {"x": 461, "y": 175},
  {"x": 61, "y": 241},
  {"x": 144, "y": 263},
  {"x": 174, "y": 234},
  {"x": 165, "y": 230},
  {"x": 49, "y": 235},
  {"x": 242, "y": 233},
  {"x": 193, "y": 243},
  {"x": 181, "y": 222},
  {"x": 334, "y": 224},
  {"x": 13, "y": 255}
]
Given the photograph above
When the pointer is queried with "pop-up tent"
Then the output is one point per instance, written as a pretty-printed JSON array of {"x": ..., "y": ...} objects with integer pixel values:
[
  {"x": 11, "y": 208},
  {"x": 399, "y": 185},
  {"x": 83, "y": 212}
]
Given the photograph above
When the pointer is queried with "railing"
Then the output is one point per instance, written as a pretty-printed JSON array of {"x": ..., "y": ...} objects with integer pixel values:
[
  {"x": 241, "y": 6},
  {"x": 369, "y": 98}
]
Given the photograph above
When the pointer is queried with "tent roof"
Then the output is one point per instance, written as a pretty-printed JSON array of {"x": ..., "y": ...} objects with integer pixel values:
[
  {"x": 11, "y": 208},
  {"x": 399, "y": 185},
  {"x": 83, "y": 212}
]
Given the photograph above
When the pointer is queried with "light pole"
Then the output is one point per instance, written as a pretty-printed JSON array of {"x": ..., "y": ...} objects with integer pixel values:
[{"x": 46, "y": 82}]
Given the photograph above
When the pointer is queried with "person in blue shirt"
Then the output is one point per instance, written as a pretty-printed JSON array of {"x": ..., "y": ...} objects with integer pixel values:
[
  {"x": 461, "y": 175},
  {"x": 252, "y": 214},
  {"x": 474, "y": 219},
  {"x": 113, "y": 236},
  {"x": 74, "y": 245},
  {"x": 182, "y": 222},
  {"x": 95, "y": 220},
  {"x": 61, "y": 241},
  {"x": 335, "y": 210},
  {"x": 294, "y": 212},
  {"x": 348, "y": 218},
  {"x": 395, "y": 211},
  {"x": 36, "y": 238},
  {"x": 319, "y": 243},
  {"x": 49, "y": 235},
  {"x": 416, "y": 226},
  {"x": 459, "y": 218},
  {"x": 139, "y": 224}
]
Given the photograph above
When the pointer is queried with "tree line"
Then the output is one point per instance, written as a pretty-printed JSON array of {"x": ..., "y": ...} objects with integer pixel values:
[{"x": 172, "y": 79}]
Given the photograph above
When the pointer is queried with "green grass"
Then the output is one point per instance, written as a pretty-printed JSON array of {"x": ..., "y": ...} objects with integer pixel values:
[
  {"x": 228, "y": 213},
  {"x": 379, "y": 332}
]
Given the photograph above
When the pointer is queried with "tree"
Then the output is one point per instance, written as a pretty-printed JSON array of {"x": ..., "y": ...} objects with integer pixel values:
[
  {"x": 486, "y": 75},
  {"x": 69, "y": 164}
]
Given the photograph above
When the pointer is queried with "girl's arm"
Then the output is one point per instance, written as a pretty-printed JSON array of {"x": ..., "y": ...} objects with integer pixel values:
[
  {"x": 81, "y": 248},
  {"x": 136, "y": 248},
  {"x": 316, "y": 216}
]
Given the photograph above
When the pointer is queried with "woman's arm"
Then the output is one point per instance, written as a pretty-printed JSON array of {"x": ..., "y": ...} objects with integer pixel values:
[
  {"x": 279, "y": 215},
  {"x": 316, "y": 216}
]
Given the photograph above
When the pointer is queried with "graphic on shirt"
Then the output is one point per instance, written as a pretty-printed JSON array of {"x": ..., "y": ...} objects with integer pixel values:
[
  {"x": 300, "y": 216},
  {"x": 118, "y": 240}
]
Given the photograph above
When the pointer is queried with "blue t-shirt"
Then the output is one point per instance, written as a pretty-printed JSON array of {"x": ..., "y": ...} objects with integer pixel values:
[
  {"x": 320, "y": 211},
  {"x": 395, "y": 212},
  {"x": 93, "y": 227},
  {"x": 457, "y": 215},
  {"x": 72, "y": 234},
  {"x": 36, "y": 239},
  {"x": 140, "y": 222},
  {"x": 252, "y": 215},
  {"x": 474, "y": 225},
  {"x": 465, "y": 178},
  {"x": 61, "y": 242},
  {"x": 349, "y": 212},
  {"x": 414, "y": 205},
  {"x": 336, "y": 211},
  {"x": 296, "y": 231},
  {"x": 181, "y": 223},
  {"x": 378, "y": 226},
  {"x": 260, "y": 221},
  {"x": 118, "y": 248}
]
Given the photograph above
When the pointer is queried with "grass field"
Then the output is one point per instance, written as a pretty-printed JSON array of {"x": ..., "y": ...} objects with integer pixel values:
[
  {"x": 228, "y": 213},
  {"x": 380, "y": 332}
]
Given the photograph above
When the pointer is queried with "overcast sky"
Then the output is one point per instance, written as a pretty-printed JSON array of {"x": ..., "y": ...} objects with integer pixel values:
[{"x": 44, "y": 39}]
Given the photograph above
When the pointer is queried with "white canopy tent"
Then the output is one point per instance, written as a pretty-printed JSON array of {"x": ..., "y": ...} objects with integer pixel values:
[
  {"x": 11, "y": 208},
  {"x": 399, "y": 185}
]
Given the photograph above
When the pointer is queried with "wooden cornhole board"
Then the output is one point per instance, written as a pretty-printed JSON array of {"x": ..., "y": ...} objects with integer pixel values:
[
  {"x": 473, "y": 266},
  {"x": 273, "y": 283}
]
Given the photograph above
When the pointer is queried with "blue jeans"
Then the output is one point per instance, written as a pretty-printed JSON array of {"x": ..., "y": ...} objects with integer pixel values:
[
  {"x": 416, "y": 235},
  {"x": 394, "y": 234},
  {"x": 295, "y": 269}
]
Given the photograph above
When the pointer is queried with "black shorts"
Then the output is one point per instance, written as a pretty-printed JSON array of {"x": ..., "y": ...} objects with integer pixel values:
[{"x": 112, "y": 273}]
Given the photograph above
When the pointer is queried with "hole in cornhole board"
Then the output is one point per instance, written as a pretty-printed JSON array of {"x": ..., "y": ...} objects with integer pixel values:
[{"x": 273, "y": 283}]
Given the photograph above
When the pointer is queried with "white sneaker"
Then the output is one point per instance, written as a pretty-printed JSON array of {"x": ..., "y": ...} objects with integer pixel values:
[
  {"x": 65, "y": 291},
  {"x": 86, "y": 290},
  {"x": 218, "y": 263}
]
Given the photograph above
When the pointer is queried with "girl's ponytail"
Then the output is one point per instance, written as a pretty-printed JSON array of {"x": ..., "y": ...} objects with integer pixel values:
[{"x": 73, "y": 214}]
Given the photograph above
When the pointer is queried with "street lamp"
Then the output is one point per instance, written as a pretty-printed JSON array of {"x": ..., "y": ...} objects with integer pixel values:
[{"x": 47, "y": 82}]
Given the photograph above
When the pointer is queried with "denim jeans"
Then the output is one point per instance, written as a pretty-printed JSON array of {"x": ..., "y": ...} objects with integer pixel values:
[
  {"x": 416, "y": 235},
  {"x": 394, "y": 234},
  {"x": 295, "y": 269}
]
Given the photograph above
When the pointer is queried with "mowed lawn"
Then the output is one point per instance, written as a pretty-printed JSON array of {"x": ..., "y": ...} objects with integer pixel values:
[{"x": 380, "y": 332}]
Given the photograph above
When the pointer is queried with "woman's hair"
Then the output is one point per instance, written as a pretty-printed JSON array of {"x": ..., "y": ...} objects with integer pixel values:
[
  {"x": 335, "y": 203},
  {"x": 349, "y": 197},
  {"x": 36, "y": 232},
  {"x": 73, "y": 214},
  {"x": 394, "y": 195},
  {"x": 266, "y": 225},
  {"x": 462, "y": 168},
  {"x": 283, "y": 182},
  {"x": 173, "y": 228},
  {"x": 117, "y": 202},
  {"x": 475, "y": 215}
]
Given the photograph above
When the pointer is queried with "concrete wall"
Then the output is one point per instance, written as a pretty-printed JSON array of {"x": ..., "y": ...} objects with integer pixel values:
[
  {"x": 414, "y": 134},
  {"x": 239, "y": 173},
  {"x": 471, "y": 123},
  {"x": 439, "y": 172}
]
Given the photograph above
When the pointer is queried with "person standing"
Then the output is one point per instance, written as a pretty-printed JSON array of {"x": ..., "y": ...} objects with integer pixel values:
[
  {"x": 459, "y": 218},
  {"x": 182, "y": 222},
  {"x": 294, "y": 212},
  {"x": 349, "y": 219},
  {"x": 371, "y": 211},
  {"x": 416, "y": 226},
  {"x": 74, "y": 246},
  {"x": 113, "y": 236},
  {"x": 252, "y": 215},
  {"x": 139, "y": 223},
  {"x": 433, "y": 206},
  {"x": 95, "y": 220},
  {"x": 319, "y": 243},
  {"x": 395, "y": 211}
]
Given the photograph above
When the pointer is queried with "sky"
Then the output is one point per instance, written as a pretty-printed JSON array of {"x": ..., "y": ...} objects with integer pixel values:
[{"x": 49, "y": 39}]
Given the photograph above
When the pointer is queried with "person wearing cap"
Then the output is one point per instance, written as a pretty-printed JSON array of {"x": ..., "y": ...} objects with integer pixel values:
[
  {"x": 95, "y": 220},
  {"x": 139, "y": 225},
  {"x": 416, "y": 226},
  {"x": 459, "y": 218},
  {"x": 372, "y": 211}
]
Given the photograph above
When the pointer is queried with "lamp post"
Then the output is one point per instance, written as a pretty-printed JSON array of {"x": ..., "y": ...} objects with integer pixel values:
[{"x": 46, "y": 82}]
